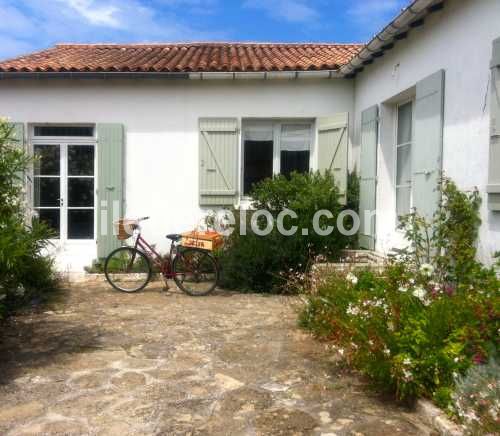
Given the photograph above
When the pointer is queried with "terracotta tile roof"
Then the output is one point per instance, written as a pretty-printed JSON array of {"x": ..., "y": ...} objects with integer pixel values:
[{"x": 191, "y": 57}]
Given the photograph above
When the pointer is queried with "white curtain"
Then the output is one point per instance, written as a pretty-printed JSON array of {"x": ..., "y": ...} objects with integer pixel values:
[
  {"x": 295, "y": 137},
  {"x": 261, "y": 131}
]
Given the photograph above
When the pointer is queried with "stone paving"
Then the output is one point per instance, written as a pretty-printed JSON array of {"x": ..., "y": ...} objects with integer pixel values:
[{"x": 100, "y": 362}]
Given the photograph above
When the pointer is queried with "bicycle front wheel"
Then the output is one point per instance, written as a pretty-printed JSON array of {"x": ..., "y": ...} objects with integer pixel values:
[
  {"x": 127, "y": 269},
  {"x": 195, "y": 272}
]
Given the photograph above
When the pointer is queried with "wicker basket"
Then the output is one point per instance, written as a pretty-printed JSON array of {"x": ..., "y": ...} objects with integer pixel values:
[{"x": 125, "y": 228}]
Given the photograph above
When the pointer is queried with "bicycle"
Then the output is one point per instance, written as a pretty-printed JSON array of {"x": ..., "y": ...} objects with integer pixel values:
[{"x": 129, "y": 268}]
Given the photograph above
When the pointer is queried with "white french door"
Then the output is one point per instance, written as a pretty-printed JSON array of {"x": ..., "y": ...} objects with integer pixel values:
[{"x": 64, "y": 188}]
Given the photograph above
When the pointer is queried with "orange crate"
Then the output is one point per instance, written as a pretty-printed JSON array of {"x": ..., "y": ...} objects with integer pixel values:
[{"x": 204, "y": 240}]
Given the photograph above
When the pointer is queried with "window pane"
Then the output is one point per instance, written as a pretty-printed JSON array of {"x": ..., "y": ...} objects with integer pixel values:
[
  {"x": 47, "y": 191},
  {"x": 51, "y": 217},
  {"x": 64, "y": 131},
  {"x": 80, "y": 160},
  {"x": 404, "y": 123},
  {"x": 258, "y": 163},
  {"x": 295, "y": 137},
  {"x": 294, "y": 161},
  {"x": 48, "y": 160},
  {"x": 403, "y": 176},
  {"x": 80, "y": 192},
  {"x": 80, "y": 224},
  {"x": 403, "y": 200}
]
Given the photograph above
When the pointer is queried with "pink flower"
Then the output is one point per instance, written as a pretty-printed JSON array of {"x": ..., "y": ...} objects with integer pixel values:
[{"x": 478, "y": 359}]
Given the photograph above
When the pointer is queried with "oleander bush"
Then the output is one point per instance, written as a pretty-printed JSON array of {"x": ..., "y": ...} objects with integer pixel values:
[
  {"x": 433, "y": 313},
  {"x": 251, "y": 262},
  {"x": 25, "y": 274}
]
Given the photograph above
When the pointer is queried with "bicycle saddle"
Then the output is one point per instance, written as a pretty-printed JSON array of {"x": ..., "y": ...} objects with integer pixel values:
[{"x": 174, "y": 237}]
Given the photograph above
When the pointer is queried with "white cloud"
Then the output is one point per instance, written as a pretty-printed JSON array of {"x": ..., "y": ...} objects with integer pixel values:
[
  {"x": 293, "y": 11},
  {"x": 29, "y": 25},
  {"x": 96, "y": 14}
]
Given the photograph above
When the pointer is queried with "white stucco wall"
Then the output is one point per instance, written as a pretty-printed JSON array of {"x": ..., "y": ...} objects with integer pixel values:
[
  {"x": 458, "y": 40},
  {"x": 161, "y": 123}
]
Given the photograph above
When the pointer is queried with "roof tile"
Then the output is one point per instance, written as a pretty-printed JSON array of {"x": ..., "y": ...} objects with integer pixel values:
[{"x": 190, "y": 57}]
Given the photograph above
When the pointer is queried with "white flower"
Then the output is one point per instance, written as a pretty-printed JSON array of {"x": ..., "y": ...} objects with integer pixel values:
[
  {"x": 420, "y": 293},
  {"x": 412, "y": 281},
  {"x": 403, "y": 289},
  {"x": 353, "y": 310},
  {"x": 427, "y": 269},
  {"x": 407, "y": 375},
  {"x": 20, "y": 291},
  {"x": 387, "y": 352},
  {"x": 407, "y": 361},
  {"x": 352, "y": 278}
]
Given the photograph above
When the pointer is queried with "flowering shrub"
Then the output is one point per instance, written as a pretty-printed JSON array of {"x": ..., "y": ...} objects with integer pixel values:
[
  {"x": 427, "y": 318},
  {"x": 407, "y": 332},
  {"x": 477, "y": 399}
]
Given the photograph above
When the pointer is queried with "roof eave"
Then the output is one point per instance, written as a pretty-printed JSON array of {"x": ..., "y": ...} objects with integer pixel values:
[
  {"x": 262, "y": 75},
  {"x": 410, "y": 17}
]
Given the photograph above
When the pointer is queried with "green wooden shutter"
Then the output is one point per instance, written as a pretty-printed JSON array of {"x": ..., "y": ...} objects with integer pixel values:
[
  {"x": 368, "y": 178},
  {"x": 428, "y": 144},
  {"x": 494, "y": 156},
  {"x": 218, "y": 161},
  {"x": 26, "y": 178},
  {"x": 110, "y": 156},
  {"x": 333, "y": 141}
]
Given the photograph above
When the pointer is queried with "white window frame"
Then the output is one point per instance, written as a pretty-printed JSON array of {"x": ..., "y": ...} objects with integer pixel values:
[
  {"x": 277, "y": 123},
  {"x": 63, "y": 142},
  {"x": 396, "y": 147}
]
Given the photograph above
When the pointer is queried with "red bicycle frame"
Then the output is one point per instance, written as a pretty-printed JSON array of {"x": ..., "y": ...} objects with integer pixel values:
[{"x": 164, "y": 264}]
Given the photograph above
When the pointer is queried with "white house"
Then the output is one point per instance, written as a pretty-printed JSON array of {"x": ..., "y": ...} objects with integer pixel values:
[{"x": 171, "y": 130}]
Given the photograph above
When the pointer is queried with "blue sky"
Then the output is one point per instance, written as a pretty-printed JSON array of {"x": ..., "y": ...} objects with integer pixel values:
[{"x": 29, "y": 25}]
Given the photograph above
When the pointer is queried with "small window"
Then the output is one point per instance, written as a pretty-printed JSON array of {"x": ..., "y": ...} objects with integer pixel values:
[
  {"x": 295, "y": 145},
  {"x": 404, "y": 136},
  {"x": 272, "y": 147},
  {"x": 258, "y": 146},
  {"x": 82, "y": 131}
]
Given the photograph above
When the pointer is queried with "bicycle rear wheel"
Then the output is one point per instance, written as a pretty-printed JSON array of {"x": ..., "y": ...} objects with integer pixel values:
[
  {"x": 127, "y": 269},
  {"x": 195, "y": 272}
]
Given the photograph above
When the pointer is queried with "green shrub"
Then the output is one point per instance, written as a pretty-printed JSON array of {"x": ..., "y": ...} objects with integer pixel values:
[
  {"x": 426, "y": 318},
  {"x": 261, "y": 263},
  {"x": 25, "y": 275},
  {"x": 477, "y": 399}
]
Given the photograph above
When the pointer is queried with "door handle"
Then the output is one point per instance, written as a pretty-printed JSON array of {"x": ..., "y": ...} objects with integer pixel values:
[{"x": 110, "y": 188}]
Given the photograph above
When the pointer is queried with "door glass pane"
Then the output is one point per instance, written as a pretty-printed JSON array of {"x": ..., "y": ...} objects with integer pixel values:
[
  {"x": 80, "y": 224},
  {"x": 403, "y": 196},
  {"x": 64, "y": 131},
  {"x": 52, "y": 218},
  {"x": 404, "y": 123},
  {"x": 80, "y": 160},
  {"x": 47, "y": 191},
  {"x": 80, "y": 192},
  {"x": 258, "y": 163},
  {"x": 403, "y": 176},
  {"x": 48, "y": 162}
]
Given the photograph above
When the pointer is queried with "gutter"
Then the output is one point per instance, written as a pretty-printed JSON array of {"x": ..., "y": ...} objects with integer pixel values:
[
  {"x": 258, "y": 75},
  {"x": 410, "y": 17}
]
